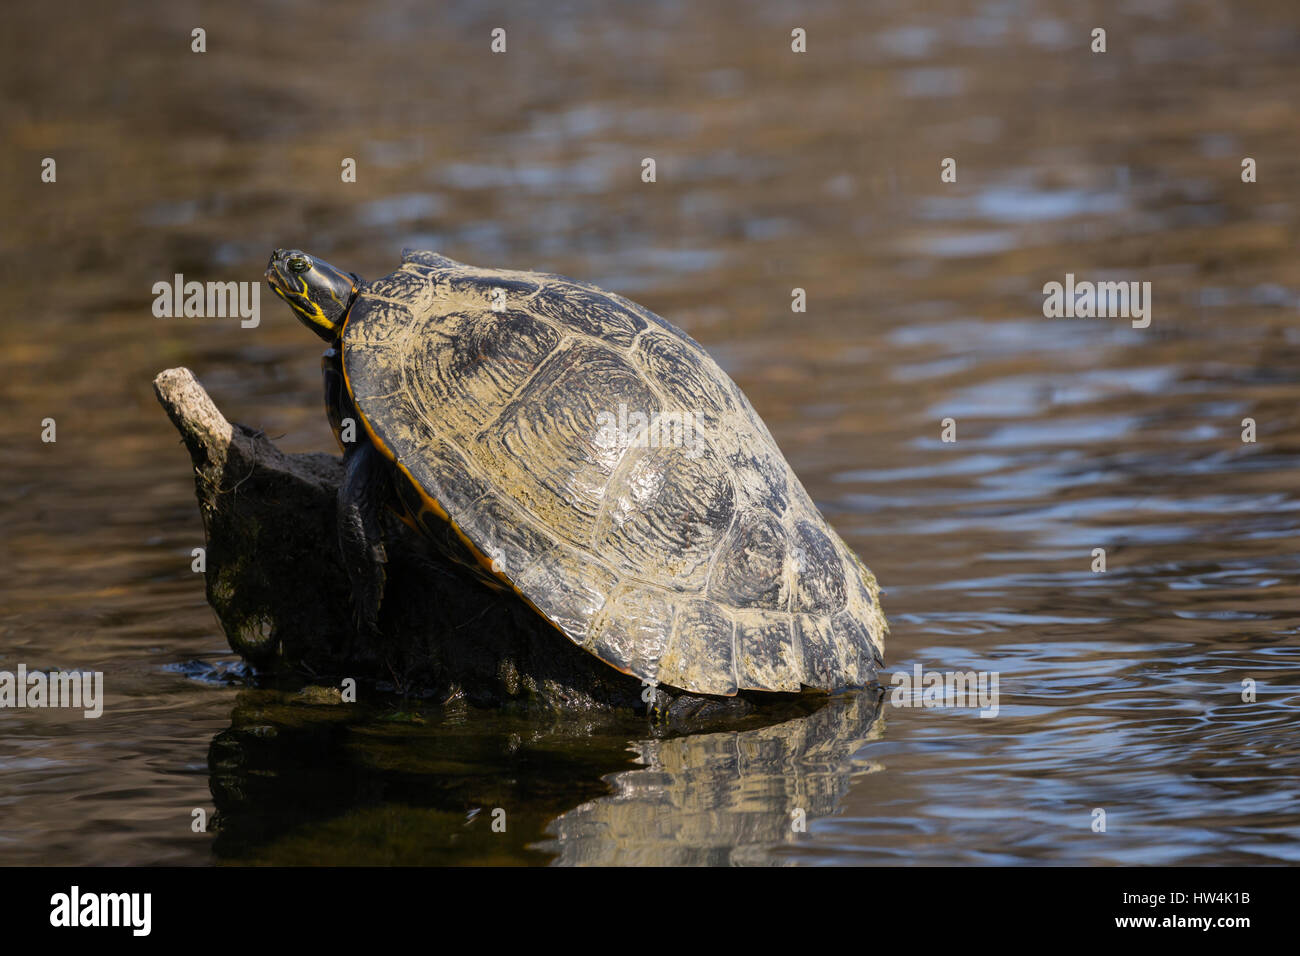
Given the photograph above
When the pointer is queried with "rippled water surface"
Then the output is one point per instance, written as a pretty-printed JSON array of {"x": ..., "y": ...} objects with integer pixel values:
[{"x": 1120, "y": 690}]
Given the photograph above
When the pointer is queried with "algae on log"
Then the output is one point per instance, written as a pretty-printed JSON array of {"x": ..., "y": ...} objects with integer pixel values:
[{"x": 275, "y": 578}]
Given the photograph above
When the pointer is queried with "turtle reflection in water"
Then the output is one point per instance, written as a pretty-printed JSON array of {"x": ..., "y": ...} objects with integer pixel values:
[
  {"x": 295, "y": 783},
  {"x": 476, "y": 404},
  {"x": 727, "y": 798}
]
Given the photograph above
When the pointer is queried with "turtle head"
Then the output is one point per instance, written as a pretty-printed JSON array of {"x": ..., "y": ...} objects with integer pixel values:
[{"x": 319, "y": 294}]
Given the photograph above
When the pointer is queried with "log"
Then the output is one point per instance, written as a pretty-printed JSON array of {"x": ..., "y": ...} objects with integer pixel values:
[{"x": 275, "y": 577}]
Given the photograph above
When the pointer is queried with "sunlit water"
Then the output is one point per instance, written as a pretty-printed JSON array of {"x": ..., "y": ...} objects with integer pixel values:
[{"x": 1119, "y": 690}]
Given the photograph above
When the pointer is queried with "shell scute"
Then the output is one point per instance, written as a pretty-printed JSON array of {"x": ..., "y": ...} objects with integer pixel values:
[
  {"x": 632, "y": 631},
  {"x": 819, "y": 571},
  {"x": 665, "y": 513},
  {"x": 701, "y": 650},
  {"x": 750, "y": 568},
  {"x": 588, "y": 311},
  {"x": 768, "y": 656}
]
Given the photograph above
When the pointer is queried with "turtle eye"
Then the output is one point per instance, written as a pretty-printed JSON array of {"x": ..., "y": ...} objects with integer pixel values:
[{"x": 299, "y": 264}]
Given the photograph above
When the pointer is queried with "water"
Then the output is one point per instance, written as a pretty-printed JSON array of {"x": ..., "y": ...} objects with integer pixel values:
[{"x": 1120, "y": 690}]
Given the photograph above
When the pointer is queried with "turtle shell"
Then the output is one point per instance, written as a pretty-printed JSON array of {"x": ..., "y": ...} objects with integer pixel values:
[{"x": 602, "y": 465}]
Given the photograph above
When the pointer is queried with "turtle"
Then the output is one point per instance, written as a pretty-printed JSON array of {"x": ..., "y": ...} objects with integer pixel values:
[{"x": 574, "y": 448}]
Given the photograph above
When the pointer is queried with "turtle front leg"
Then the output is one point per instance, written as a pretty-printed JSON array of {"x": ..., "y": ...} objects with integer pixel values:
[{"x": 362, "y": 497}]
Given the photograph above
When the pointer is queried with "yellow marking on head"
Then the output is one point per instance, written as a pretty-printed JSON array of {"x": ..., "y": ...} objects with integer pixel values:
[
  {"x": 319, "y": 317},
  {"x": 296, "y": 299}
]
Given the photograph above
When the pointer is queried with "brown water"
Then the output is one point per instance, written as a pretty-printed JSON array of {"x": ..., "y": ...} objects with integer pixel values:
[{"x": 1119, "y": 690}]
